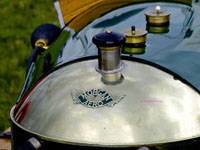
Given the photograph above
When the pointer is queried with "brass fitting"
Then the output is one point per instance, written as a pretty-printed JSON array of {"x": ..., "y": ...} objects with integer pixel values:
[
  {"x": 158, "y": 17},
  {"x": 135, "y": 36},
  {"x": 42, "y": 43}
]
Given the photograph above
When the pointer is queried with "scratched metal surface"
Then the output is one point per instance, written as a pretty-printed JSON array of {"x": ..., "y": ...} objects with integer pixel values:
[{"x": 149, "y": 106}]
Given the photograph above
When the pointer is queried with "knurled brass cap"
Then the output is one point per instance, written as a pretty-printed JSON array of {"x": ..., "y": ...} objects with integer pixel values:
[
  {"x": 135, "y": 36},
  {"x": 158, "y": 17}
]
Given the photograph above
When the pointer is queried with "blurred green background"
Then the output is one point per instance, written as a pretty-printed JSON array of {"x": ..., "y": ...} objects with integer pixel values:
[{"x": 18, "y": 19}]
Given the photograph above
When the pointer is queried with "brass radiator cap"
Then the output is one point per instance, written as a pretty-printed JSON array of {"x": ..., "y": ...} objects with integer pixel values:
[
  {"x": 158, "y": 17},
  {"x": 135, "y": 36}
]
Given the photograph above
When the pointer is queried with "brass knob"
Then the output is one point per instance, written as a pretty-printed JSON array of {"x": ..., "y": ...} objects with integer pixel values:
[
  {"x": 158, "y": 16},
  {"x": 108, "y": 31}
]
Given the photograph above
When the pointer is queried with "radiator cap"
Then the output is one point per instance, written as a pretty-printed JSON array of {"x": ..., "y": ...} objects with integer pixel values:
[{"x": 158, "y": 17}]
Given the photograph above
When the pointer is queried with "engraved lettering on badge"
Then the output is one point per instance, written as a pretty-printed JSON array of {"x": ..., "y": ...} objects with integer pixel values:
[{"x": 95, "y": 98}]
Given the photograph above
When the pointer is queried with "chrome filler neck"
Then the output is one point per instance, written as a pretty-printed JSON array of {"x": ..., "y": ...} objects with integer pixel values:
[{"x": 109, "y": 55}]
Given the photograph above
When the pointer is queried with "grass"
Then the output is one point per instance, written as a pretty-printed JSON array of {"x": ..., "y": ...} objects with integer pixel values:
[{"x": 18, "y": 18}]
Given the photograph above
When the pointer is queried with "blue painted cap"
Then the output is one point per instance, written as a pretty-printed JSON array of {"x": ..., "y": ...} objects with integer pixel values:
[{"x": 109, "y": 39}]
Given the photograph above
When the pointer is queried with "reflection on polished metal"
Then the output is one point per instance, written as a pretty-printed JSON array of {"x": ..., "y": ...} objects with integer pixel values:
[
  {"x": 131, "y": 50},
  {"x": 52, "y": 114},
  {"x": 110, "y": 65},
  {"x": 109, "y": 60},
  {"x": 112, "y": 77},
  {"x": 157, "y": 17},
  {"x": 35, "y": 143},
  {"x": 135, "y": 36},
  {"x": 157, "y": 29},
  {"x": 74, "y": 11},
  {"x": 109, "y": 49},
  {"x": 42, "y": 43},
  {"x": 143, "y": 148}
]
